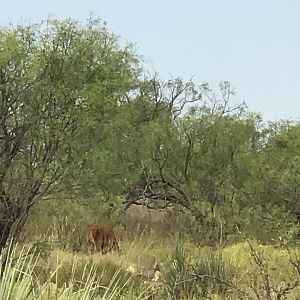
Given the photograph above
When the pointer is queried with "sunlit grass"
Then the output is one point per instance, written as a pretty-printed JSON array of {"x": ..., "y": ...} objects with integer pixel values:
[
  {"x": 66, "y": 276},
  {"x": 131, "y": 275}
]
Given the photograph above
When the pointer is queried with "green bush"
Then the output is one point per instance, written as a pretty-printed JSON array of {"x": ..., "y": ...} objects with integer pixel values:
[
  {"x": 215, "y": 272},
  {"x": 178, "y": 278}
]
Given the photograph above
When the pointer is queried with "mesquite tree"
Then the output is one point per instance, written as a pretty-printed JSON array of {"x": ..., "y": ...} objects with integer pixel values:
[{"x": 51, "y": 75}]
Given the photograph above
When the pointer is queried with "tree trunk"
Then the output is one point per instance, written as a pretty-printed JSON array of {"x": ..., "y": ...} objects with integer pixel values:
[
  {"x": 12, "y": 220},
  {"x": 4, "y": 234}
]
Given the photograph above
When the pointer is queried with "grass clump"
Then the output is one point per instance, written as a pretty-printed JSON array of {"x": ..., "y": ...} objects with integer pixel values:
[
  {"x": 187, "y": 277},
  {"x": 71, "y": 277},
  {"x": 18, "y": 280}
]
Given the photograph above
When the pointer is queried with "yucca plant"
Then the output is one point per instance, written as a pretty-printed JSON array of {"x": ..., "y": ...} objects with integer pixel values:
[
  {"x": 177, "y": 276},
  {"x": 18, "y": 280},
  {"x": 214, "y": 272}
]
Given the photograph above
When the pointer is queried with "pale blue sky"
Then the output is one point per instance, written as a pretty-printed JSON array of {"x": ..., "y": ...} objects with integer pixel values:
[{"x": 254, "y": 44}]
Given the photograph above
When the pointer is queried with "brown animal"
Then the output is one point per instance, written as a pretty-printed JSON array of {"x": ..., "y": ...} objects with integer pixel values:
[{"x": 101, "y": 237}]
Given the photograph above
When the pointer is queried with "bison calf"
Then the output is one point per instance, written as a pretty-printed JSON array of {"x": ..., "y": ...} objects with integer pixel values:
[{"x": 101, "y": 237}]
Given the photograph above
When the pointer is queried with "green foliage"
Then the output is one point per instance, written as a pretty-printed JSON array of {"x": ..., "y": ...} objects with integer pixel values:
[
  {"x": 177, "y": 276},
  {"x": 60, "y": 83},
  {"x": 210, "y": 273},
  {"x": 81, "y": 128},
  {"x": 215, "y": 272},
  {"x": 62, "y": 223}
]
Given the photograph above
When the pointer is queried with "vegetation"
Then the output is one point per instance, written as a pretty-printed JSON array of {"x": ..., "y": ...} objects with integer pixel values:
[{"x": 203, "y": 194}]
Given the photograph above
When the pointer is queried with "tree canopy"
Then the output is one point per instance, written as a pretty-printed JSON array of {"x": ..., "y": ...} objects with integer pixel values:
[{"x": 78, "y": 116}]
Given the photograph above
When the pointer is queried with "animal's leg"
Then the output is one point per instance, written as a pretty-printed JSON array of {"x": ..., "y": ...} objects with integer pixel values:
[
  {"x": 114, "y": 243},
  {"x": 99, "y": 245},
  {"x": 91, "y": 247},
  {"x": 105, "y": 247},
  {"x": 91, "y": 240}
]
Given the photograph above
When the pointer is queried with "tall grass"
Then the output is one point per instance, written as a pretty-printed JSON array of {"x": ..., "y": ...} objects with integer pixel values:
[
  {"x": 241, "y": 271},
  {"x": 76, "y": 279},
  {"x": 18, "y": 280}
]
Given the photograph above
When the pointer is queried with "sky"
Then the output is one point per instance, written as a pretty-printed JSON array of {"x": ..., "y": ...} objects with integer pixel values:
[{"x": 254, "y": 44}]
